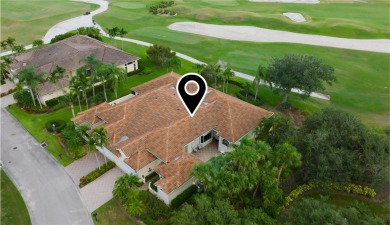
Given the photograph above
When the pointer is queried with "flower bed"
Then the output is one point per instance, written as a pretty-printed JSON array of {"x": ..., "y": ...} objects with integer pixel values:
[{"x": 346, "y": 187}]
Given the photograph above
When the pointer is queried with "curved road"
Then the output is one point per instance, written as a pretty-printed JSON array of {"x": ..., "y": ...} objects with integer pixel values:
[{"x": 51, "y": 196}]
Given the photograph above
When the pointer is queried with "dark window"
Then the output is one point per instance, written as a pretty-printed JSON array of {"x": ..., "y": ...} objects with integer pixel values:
[
  {"x": 225, "y": 142},
  {"x": 206, "y": 137}
]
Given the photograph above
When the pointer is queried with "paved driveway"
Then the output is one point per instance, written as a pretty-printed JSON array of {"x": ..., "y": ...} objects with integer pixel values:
[
  {"x": 99, "y": 191},
  {"x": 83, "y": 166},
  {"x": 50, "y": 194}
]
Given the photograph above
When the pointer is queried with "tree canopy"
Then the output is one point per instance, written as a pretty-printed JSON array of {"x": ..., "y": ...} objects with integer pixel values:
[
  {"x": 159, "y": 54},
  {"x": 310, "y": 211},
  {"x": 304, "y": 72},
  {"x": 338, "y": 147}
]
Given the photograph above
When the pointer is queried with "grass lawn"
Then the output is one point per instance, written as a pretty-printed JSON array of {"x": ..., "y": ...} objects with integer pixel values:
[
  {"x": 110, "y": 213},
  {"x": 341, "y": 19},
  {"x": 30, "y": 20},
  {"x": 35, "y": 124},
  {"x": 362, "y": 77},
  {"x": 13, "y": 208},
  {"x": 379, "y": 209}
]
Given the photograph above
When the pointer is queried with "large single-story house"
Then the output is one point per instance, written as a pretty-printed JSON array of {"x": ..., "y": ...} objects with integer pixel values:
[
  {"x": 69, "y": 54},
  {"x": 153, "y": 132}
]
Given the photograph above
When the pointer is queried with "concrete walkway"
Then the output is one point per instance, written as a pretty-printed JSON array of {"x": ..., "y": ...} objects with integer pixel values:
[
  {"x": 48, "y": 191},
  {"x": 83, "y": 166},
  {"x": 7, "y": 86},
  {"x": 99, "y": 191}
]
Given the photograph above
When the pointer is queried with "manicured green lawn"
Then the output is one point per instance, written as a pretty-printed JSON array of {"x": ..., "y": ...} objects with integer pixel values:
[
  {"x": 30, "y": 20},
  {"x": 362, "y": 77},
  {"x": 35, "y": 124},
  {"x": 110, "y": 213},
  {"x": 379, "y": 209},
  {"x": 342, "y": 19},
  {"x": 13, "y": 208}
]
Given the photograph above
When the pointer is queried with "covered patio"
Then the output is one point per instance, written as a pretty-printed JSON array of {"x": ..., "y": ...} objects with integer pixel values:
[{"x": 207, "y": 152}]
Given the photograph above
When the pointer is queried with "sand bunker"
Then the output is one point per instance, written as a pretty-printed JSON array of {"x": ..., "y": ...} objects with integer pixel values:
[
  {"x": 255, "y": 34},
  {"x": 289, "y": 1},
  {"x": 296, "y": 17}
]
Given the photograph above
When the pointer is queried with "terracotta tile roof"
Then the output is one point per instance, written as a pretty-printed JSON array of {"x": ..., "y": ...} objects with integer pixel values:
[
  {"x": 68, "y": 54},
  {"x": 175, "y": 173},
  {"x": 155, "y": 123}
]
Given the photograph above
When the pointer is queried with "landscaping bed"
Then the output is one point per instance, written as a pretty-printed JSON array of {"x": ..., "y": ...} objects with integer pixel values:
[{"x": 96, "y": 173}]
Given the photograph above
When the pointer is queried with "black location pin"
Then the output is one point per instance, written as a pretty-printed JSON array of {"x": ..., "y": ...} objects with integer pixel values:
[{"x": 191, "y": 101}]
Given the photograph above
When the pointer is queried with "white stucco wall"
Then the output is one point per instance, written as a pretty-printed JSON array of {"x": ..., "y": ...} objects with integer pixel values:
[
  {"x": 54, "y": 94},
  {"x": 193, "y": 144},
  {"x": 167, "y": 198},
  {"x": 130, "y": 67},
  {"x": 224, "y": 148},
  {"x": 118, "y": 161},
  {"x": 148, "y": 169}
]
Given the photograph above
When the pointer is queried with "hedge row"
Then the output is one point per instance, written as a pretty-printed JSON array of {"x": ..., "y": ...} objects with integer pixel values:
[
  {"x": 241, "y": 96},
  {"x": 347, "y": 187},
  {"x": 7, "y": 92},
  {"x": 181, "y": 198},
  {"x": 96, "y": 173}
]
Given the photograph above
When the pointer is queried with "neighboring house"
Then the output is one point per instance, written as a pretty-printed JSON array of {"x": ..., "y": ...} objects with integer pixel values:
[
  {"x": 153, "y": 132},
  {"x": 69, "y": 54}
]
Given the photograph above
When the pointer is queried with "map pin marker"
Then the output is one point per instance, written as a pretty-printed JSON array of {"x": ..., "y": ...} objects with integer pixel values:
[{"x": 191, "y": 100}]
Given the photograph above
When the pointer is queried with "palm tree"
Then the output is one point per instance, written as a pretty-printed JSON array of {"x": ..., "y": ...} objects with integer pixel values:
[
  {"x": 115, "y": 74},
  {"x": 82, "y": 82},
  {"x": 10, "y": 41},
  {"x": 101, "y": 139},
  {"x": 103, "y": 75},
  {"x": 123, "y": 184},
  {"x": 261, "y": 74},
  {"x": 91, "y": 64},
  {"x": 56, "y": 74},
  {"x": 4, "y": 44},
  {"x": 285, "y": 156},
  {"x": 199, "y": 67},
  {"x": 29, "y": 77},
  {"x": 5, "y": 66},
  {"x": 92, "y": 147},
  {"x": 122, "y": 32},
  {"x": 75, "y": 88},
  {"x": 227, "y": 75}
]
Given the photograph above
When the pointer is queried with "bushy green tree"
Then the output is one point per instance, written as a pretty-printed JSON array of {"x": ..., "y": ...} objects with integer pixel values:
[
  {"x": 159, "y": 54},
  {"x": 276, "y": 129},
  {"x": 310, "y": 211},
  {"x": 336, "y": 146},
  {"x": 304, "y": 72}
]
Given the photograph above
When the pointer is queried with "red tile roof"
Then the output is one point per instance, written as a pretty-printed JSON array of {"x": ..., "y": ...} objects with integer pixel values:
[
  {"x": 175, "y": 173},
  {"x": 155, "y": 123}
]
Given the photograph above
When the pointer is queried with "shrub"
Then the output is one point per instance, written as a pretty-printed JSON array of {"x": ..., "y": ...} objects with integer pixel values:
[
  {"x": 156, "y": 209},
  {"x": 59, "y": 125},
  {"x": 241, "y": 96},
  {"x": 347, "y": 187},
  {"x": 181, "y": 198},
  {"x": 147, "y": 70},
  {"x": 62, "y": 37},
  {"x": 96, "y": 173},
  {"x": 135, "y": 72},
  {"x": 147, "y": 220},
  {"x": 152, "y": 181}
]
